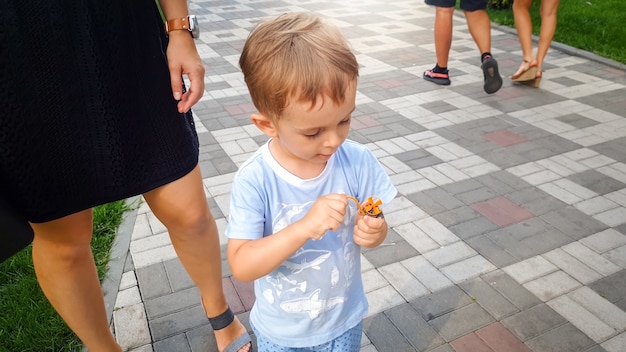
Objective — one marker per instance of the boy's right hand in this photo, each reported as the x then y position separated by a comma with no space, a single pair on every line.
326,214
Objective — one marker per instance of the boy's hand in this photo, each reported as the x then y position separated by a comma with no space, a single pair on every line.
326,214
369,232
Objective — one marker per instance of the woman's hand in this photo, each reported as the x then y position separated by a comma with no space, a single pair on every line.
183,59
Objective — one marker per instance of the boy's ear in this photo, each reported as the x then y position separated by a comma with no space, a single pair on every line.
264,124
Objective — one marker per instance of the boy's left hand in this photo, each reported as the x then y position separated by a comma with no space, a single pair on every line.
369,232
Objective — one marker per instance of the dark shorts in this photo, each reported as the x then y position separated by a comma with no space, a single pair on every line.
466,5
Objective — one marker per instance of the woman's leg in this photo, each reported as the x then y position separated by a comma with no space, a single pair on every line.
182,207
524,27
548,12
67,275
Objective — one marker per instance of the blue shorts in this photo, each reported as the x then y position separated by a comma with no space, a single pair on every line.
466,5
349,341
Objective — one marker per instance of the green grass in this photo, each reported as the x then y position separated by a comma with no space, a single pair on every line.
595,26
27,320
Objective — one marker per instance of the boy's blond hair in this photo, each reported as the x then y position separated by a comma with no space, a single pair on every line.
296,55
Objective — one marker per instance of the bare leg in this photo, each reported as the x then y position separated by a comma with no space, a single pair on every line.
524,26
548,12
479,25
182,207
443,34
67,275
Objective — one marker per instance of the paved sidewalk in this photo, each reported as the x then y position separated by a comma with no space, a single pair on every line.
509,230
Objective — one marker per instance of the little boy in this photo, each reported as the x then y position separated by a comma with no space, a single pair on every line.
293,226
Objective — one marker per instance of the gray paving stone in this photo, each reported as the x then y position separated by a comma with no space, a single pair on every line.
153,281
384,255
533,322
461,321
581,318
177,275
573,223
615,344
202,339
473,227
596,348
131,329
506,159
503,183
441,302
468,269
507,241
460,187
565,338
444,198
426,202
177,323
128,264
475,196
536,201
490,299
426,273
384,334
613,149
529,228
544,242
556,144
446,255
613,288
552,285
175,343
491,251
418,332
456,216
403,281
604,240
173,302
597,182
591,258
600,307
511,290
443,348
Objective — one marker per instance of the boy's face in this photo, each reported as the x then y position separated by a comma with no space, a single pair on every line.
306,137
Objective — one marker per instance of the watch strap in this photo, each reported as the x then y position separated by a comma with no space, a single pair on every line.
177,24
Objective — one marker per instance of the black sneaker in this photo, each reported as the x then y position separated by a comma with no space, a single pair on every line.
437,77
493,81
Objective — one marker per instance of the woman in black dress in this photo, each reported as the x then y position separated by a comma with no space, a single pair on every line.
94,110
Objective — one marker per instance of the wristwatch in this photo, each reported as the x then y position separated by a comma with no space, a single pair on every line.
189,23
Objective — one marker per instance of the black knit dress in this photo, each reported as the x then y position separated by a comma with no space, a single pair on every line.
86,108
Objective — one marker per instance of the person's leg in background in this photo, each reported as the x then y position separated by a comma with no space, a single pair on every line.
182,207
479,25
444,10
67,275
548,11
524,27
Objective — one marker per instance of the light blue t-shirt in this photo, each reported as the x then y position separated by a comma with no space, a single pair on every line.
317,294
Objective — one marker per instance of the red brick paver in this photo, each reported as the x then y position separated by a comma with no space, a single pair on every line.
504,138
502,211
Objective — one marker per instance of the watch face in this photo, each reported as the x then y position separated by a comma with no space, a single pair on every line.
193,26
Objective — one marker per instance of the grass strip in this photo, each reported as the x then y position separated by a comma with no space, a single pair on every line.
28,323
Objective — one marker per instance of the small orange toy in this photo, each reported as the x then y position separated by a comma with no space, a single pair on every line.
370,207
